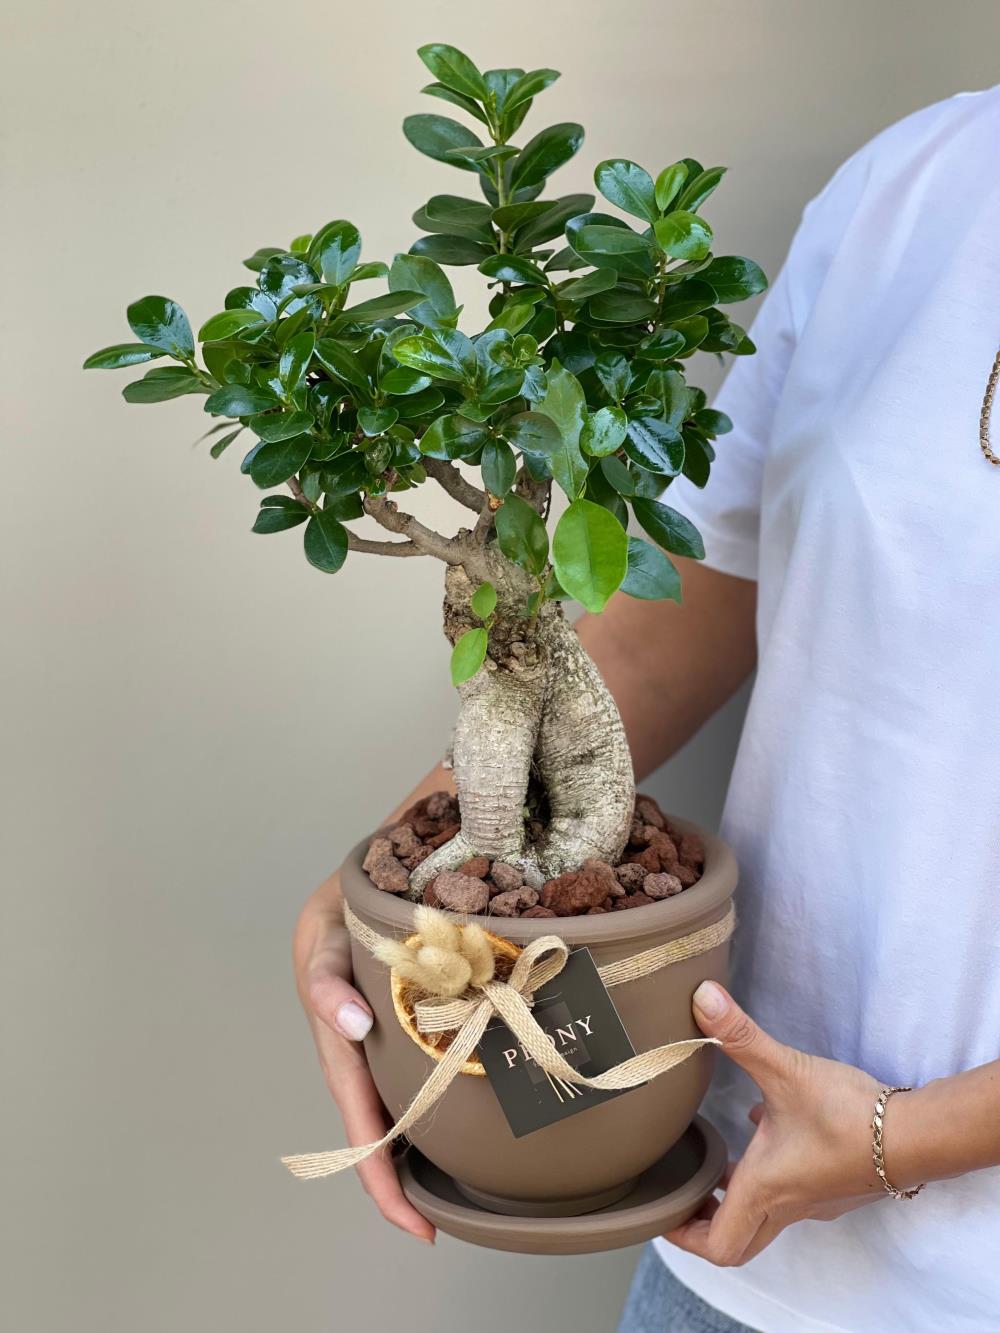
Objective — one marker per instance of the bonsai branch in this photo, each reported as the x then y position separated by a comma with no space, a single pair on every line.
366,547
451,480
388,515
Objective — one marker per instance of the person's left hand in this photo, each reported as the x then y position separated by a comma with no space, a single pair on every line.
810,1156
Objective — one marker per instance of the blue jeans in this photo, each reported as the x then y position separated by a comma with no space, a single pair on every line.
658,1303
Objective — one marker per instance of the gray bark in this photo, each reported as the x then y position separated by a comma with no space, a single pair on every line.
538,707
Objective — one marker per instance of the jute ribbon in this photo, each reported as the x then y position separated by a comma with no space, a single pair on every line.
510,1000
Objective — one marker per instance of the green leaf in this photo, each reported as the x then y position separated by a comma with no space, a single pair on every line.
221,445
683,235
512,216
342,362
484,601
565,404
499,467
418,274
663,345
544,154
278,513
603,432
378,308
400,381
697,191
686,298
614,247
468,655
453,436
589,553
734,278
335,250
444,354
450,249
157,386
228,324
260,257
511,268
651,576
528,86
533,433
622,307
655,445
668,182
617,475
712,422
669,529
273,464
122,354
447,94
295,358
694,330
435,136
521,534
456,215
273,426
551,223
628,186
325,541
615,374
281,275
454,69
376,420
591,284
697,463
672,394
160,322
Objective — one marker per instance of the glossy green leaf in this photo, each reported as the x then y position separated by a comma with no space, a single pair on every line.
521,534
712,422
617,475
591,284
533,433
445,354
589,553
447,94
651,575
655,445
454,69
295,358
511,268
544,154
622,307
400,381
499,467
435,136
325,541
628,186
683,235
272,426
551,223
613,370
420,274
668,183
160,385
160,322
228,324
222,444
342,362
565,404
512,216
528,86
273,464
603,432
239,400
468,655
663,345
335,250
693,329
672,395
697,190
281,275
278,513
377,420
619,248
378,308
686,298
697,463
484,601
669,529
453,436
455,215
122,354
450,249
734,278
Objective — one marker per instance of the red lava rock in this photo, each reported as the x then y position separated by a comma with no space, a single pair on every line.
596,911
460,893
572,893
430,897
404,840
538,911
637,899
505,877
478,867
648,859
635,838
630,876
384,871
686,875
691,850
649,811
424,827
441,805
663,845
421,854
661,886
513,902
446,835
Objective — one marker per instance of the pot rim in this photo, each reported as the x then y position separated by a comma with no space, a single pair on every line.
674,915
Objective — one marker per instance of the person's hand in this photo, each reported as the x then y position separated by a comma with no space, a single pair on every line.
810,1156
339,1018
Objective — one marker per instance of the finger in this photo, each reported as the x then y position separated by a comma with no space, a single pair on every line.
378,1175
723,1238
336,1003
718,1015
756,1113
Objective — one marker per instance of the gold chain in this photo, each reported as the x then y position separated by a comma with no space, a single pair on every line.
877,1128
984,416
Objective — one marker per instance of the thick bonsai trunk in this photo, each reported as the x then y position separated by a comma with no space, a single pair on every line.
537,714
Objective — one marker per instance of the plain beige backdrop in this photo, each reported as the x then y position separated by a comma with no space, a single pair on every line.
196,723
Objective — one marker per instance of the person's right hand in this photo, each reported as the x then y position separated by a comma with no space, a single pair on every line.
339,1018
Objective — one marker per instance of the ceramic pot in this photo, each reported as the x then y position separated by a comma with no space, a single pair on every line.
589,1160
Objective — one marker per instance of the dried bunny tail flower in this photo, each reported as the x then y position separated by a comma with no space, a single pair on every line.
436,928
444,971
477,949
394,953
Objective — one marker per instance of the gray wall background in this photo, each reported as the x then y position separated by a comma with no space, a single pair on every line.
196,724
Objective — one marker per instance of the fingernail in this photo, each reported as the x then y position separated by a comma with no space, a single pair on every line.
353,1022
711,999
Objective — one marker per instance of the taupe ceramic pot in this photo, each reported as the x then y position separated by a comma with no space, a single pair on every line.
591,1159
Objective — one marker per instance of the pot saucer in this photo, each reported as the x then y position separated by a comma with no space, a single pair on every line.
664,1196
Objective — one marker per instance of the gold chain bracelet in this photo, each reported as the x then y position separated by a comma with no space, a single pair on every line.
877,1157
984,416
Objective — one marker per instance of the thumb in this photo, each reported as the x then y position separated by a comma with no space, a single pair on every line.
336,1003
718,1015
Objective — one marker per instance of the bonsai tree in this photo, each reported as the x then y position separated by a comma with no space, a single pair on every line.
578,383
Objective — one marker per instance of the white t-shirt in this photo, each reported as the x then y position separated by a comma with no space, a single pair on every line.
864,805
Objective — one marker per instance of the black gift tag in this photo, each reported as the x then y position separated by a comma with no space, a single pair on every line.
575,1011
